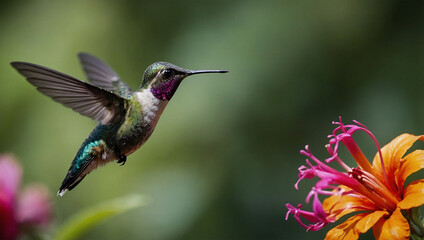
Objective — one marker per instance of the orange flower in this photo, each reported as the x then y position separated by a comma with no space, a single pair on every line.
376,191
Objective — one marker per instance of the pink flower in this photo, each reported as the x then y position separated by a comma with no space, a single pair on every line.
376,192
29,210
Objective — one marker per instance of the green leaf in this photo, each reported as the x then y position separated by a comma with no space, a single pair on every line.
82,221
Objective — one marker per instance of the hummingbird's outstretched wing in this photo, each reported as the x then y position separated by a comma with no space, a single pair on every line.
100,74
84,98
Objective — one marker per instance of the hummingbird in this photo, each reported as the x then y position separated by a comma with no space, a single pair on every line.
126,118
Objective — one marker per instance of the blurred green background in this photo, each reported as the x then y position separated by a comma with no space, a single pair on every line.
223,160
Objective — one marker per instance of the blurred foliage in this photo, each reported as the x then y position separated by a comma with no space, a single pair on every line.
223,160
85,219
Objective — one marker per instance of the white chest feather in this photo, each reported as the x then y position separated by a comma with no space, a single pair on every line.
151,106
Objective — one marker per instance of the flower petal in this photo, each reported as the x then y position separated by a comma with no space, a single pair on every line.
368,221
10,176
392,154
396,227
338,205
8,225
413,195
409,164
34,206
346,230
355,225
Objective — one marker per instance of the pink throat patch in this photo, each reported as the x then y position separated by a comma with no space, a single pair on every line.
166,90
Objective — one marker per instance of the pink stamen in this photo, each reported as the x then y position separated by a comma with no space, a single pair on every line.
336,157
366,130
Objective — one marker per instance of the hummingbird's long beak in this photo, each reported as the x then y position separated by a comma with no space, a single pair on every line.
205,71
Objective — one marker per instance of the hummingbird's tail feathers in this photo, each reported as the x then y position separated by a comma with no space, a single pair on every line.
86,160
75,183
63,189
76,174
72,179
61,192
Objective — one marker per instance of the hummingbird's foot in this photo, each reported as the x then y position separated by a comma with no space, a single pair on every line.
122,160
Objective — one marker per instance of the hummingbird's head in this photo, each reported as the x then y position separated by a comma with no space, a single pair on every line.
164,78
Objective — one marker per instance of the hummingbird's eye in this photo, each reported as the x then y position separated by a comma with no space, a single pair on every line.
167,73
